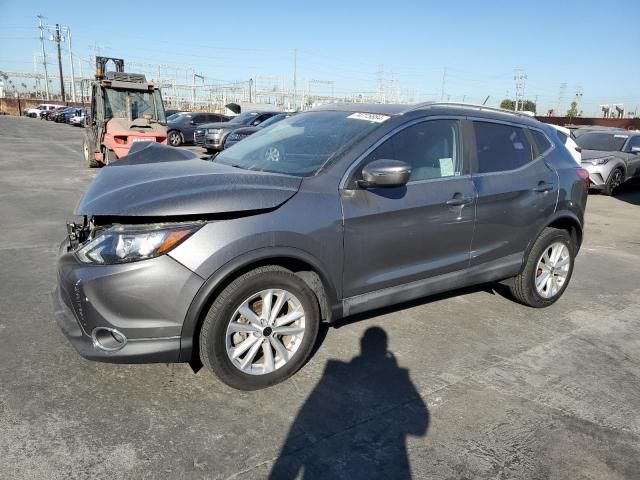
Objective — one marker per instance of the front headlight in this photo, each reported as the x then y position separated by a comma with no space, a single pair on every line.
214,131
600,161
123,244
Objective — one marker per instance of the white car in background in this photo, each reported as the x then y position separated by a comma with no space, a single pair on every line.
565,136
43,107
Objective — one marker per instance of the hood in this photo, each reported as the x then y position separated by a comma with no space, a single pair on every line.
225,125
157,180
247,130
591,154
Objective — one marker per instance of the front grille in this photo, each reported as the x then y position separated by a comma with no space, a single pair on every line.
198,136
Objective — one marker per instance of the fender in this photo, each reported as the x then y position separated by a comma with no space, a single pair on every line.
562,215
214,282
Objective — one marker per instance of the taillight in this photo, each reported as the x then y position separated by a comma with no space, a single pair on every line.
584,174
120,140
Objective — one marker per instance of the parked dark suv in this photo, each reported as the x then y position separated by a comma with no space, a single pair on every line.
212,136
237,261
181,126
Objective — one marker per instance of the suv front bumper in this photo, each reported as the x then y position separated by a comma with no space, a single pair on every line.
145,301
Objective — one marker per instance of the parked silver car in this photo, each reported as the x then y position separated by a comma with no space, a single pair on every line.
611,156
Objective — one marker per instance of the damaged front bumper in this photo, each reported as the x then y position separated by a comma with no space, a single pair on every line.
143,302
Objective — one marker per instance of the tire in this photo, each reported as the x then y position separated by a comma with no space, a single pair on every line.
175,138
524,288
217,340
88,156
109,156
616,178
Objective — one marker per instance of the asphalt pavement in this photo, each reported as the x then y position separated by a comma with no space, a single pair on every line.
464,385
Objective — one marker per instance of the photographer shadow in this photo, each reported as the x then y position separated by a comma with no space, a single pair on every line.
356,421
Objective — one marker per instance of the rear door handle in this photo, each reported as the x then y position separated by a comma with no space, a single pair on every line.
544,187
458,199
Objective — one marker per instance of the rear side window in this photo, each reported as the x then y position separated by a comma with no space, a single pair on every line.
501,147
561,136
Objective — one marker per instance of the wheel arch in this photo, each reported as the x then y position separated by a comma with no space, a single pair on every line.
564,221
297,261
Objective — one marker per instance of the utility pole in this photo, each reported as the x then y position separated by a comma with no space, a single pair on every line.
73,77
57,38
295,79
44,55
563,89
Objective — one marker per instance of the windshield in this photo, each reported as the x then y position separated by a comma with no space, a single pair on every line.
608,142
133,105
299,145
244,118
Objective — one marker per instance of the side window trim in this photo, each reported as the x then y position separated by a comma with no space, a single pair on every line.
475,167
348,179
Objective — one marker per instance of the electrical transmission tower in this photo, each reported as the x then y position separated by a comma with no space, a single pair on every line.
520,78
561,95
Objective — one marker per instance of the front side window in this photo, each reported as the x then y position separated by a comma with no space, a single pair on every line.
299,145
431,148
501,147
633,142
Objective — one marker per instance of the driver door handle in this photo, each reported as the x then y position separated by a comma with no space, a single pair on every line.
459,199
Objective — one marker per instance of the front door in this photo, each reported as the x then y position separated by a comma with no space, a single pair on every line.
394,236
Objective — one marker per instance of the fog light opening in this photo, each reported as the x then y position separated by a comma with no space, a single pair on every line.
108,339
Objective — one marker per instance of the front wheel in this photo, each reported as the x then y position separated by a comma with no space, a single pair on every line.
261,329
613,183
87,152
547,271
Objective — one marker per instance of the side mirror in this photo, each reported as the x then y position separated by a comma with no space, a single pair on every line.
635,149
192,122
385,173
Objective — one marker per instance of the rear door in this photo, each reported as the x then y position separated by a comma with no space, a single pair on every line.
393,236
516,190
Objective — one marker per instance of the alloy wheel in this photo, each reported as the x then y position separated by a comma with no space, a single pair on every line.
175,139
616,179
552,270
265,331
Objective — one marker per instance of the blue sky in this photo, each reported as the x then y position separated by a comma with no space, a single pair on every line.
588,44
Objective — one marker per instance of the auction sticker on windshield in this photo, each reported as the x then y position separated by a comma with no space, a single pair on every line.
370,117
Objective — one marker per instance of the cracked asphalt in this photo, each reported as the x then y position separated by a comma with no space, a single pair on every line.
469,385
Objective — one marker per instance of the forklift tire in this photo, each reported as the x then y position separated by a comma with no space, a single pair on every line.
86,151
109,156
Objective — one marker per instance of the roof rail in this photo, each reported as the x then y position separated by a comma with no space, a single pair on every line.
469,105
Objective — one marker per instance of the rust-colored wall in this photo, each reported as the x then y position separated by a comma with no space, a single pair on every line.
15,106
627,123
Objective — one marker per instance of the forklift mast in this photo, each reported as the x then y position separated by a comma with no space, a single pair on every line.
101,63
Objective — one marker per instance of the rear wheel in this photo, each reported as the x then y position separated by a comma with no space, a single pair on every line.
613,183
175,138
87,152
261,329
547,271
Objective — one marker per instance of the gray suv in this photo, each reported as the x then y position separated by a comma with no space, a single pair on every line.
237,262
611,156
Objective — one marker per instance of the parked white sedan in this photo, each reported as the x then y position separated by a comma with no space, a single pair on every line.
565,136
